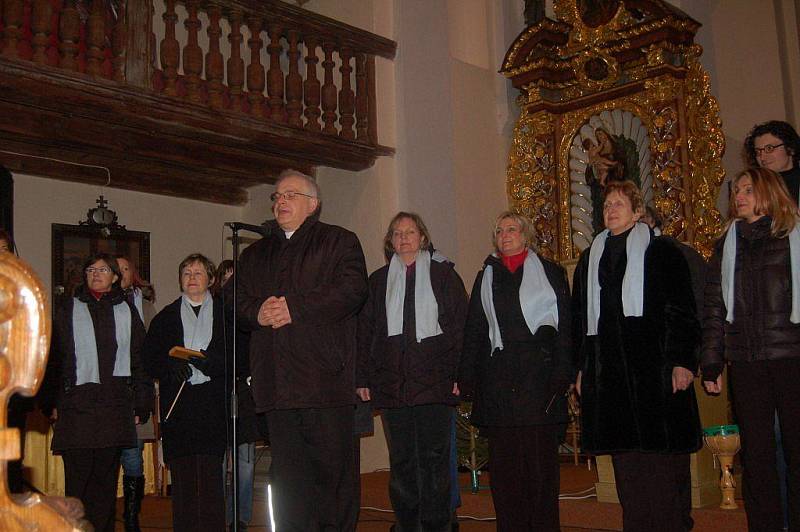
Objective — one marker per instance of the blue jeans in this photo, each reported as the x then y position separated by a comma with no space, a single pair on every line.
247,468
131,460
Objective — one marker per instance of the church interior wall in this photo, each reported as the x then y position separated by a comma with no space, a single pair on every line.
450,116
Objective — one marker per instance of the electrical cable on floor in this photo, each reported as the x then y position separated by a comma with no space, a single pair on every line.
587,493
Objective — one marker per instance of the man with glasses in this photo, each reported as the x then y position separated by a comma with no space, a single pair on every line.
300,288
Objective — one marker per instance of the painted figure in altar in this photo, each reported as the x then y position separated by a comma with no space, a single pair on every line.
611,158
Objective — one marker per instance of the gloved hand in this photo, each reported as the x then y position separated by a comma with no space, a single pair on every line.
179,371
200,363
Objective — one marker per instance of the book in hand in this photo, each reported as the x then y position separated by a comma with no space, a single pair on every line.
184,354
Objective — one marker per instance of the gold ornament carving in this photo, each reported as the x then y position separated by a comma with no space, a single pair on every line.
662,84
531,173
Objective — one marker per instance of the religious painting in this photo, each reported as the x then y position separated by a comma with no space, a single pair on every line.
613,145
73,244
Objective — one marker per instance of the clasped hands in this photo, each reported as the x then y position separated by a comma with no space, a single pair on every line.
274,312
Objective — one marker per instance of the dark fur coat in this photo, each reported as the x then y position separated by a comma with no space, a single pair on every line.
627,400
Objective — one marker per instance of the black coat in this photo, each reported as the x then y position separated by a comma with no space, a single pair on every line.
524,384
627,401
97,415
250,426
398,370
197,424
309,363
761,329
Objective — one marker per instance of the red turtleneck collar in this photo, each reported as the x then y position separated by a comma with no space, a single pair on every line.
513,262
97,295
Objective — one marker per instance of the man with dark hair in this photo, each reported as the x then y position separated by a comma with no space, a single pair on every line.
300,288
776,145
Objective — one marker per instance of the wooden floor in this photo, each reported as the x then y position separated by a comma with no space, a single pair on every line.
476,513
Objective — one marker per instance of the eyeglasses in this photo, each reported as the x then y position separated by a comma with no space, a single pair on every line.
613,205
91,270
769,148
288,196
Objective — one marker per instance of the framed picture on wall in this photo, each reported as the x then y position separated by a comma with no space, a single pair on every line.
73,244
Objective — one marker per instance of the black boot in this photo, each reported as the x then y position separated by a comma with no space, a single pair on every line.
133,489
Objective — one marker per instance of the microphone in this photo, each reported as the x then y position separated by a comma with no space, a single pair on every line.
262,230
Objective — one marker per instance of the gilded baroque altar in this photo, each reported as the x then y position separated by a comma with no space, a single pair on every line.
613,89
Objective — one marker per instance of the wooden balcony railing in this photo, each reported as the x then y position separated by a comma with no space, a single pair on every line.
300,86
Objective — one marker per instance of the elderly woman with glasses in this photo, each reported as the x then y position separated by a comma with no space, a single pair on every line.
635,336
192,396
101,387
410,333
516,365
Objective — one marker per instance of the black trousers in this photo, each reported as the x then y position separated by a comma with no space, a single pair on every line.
759,389
198,499
524,472
312,476
91,476
419,456
655,491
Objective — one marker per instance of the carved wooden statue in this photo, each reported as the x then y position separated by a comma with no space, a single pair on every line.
24,342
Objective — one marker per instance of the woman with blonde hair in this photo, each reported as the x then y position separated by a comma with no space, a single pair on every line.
516,365
752,323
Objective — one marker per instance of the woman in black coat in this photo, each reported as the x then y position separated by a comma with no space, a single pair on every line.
100,385
192,397
752,322
410,334
516,363
635,336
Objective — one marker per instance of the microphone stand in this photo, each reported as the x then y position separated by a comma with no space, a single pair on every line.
234,395
235,228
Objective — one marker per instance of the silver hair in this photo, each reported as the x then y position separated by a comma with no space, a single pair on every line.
310,181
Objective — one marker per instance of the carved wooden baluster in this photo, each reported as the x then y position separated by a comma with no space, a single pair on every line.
53,56
311,86
40,26
255,71
235,61
192,53
95,39
13,18
215,70
346,97
294,83
69,31
170,50
362,98
372,104
275,75
2,29
328,91
120,44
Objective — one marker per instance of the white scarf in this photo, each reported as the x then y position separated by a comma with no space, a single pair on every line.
137,301
729,271
632,283
86,364
426,310
536,297
197,330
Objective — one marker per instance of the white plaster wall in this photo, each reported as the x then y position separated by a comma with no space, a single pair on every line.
752,55
177,227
